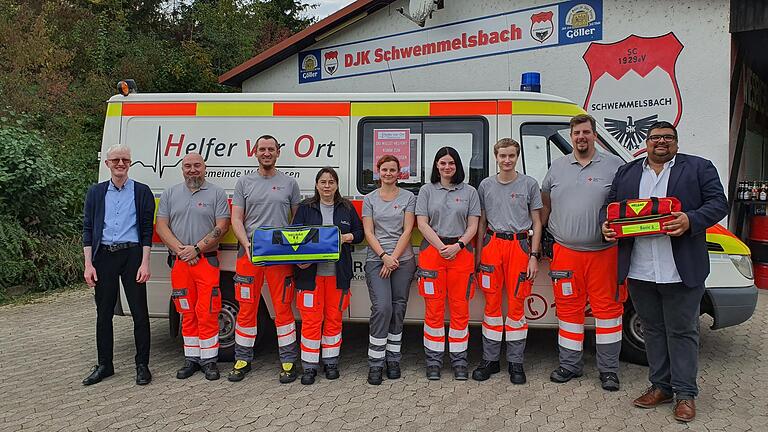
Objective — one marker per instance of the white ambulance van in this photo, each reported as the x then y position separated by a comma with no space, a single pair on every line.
349,132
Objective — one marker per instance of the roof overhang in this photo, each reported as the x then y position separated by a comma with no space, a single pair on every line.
301,40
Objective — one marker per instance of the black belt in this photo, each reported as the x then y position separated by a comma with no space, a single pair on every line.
449,240
204,254
509,236
118,246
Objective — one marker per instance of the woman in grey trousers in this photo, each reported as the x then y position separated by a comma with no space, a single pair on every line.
388,219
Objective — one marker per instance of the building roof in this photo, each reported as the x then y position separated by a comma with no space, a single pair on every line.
301,40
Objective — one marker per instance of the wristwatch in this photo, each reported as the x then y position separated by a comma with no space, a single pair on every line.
382,254
461,244
536,255
197,250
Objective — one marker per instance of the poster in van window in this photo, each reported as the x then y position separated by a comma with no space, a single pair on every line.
395,142
538,27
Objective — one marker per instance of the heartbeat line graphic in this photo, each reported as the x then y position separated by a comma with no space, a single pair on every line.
157,165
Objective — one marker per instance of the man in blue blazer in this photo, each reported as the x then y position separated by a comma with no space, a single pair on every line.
666,273
117,237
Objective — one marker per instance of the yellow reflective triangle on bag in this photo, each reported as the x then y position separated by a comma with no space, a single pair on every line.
637,207
295,238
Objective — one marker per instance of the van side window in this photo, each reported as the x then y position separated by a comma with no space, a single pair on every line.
544,142
414,141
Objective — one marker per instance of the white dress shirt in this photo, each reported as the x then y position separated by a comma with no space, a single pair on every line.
652,258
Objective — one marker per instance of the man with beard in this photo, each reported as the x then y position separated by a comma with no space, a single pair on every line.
583,267
117,239
666,273
264,198
191,218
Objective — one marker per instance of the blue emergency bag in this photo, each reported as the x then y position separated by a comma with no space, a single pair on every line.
295,245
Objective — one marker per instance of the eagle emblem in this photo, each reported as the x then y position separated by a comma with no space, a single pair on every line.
630,133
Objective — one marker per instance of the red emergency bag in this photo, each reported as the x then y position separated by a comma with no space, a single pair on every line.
640,217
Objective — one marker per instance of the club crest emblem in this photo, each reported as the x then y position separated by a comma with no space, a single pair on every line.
331,63
542,26
632,85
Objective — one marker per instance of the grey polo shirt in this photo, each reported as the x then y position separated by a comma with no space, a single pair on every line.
577,194
508,206
267,201
192,215
388,220
448,208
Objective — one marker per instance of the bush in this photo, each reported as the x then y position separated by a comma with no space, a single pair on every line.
39,241
34,188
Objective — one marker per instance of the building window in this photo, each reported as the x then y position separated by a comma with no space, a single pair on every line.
414,141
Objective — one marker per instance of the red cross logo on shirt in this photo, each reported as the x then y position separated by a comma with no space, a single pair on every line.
589,179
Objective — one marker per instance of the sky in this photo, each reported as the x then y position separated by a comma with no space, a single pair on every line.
327,7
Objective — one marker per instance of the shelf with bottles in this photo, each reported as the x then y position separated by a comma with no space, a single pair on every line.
754,191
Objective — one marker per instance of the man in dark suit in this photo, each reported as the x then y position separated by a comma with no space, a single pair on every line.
117,237
666,273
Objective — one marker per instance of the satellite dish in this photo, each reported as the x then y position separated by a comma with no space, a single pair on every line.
420,10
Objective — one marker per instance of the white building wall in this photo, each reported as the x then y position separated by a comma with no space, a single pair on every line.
701,70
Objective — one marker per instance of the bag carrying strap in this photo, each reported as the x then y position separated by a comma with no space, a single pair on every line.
520,278
470,281
344,292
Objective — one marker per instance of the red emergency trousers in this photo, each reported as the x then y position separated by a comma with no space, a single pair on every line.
581,276
197,298
248,282
504,263
321,310
440,278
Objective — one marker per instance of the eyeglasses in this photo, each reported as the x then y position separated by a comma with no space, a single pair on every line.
118,160
659,138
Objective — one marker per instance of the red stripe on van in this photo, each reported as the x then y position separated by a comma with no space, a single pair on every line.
159,109
505,107
462,108
358,205
303,109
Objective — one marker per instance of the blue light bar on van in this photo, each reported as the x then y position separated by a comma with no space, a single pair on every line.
531,82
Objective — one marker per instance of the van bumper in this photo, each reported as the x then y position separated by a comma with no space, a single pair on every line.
731,306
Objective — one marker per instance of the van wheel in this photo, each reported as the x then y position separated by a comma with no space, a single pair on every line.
228,320
633,342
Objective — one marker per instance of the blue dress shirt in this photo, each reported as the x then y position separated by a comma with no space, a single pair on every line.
120,215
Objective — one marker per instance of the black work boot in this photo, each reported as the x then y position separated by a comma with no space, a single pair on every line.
331,371
393,370
433,373
187,370
308,377
516,373
375,375
485,370
563,375
211,371
239,371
